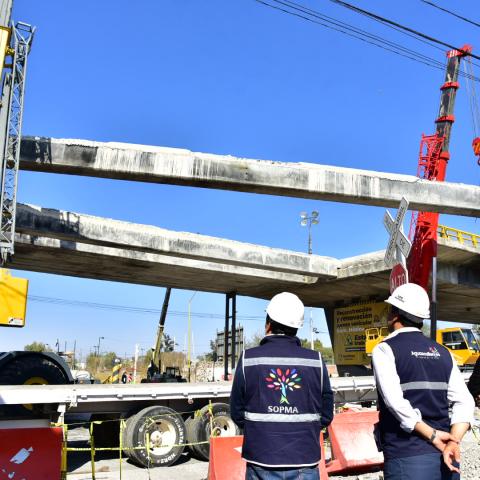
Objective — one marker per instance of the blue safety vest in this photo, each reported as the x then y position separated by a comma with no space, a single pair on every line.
424,368
283,401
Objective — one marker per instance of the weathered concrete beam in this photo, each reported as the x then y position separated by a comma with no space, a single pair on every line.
86,229
304,180
50,255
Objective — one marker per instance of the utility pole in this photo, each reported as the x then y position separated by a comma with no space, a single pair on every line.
189,333
135,364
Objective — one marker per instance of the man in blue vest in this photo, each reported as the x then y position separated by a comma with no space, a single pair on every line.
417,381
281,397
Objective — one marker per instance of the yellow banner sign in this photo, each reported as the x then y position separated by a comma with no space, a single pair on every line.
350,324
13,299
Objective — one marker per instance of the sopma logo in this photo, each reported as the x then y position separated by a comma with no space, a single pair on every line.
283,381
432,353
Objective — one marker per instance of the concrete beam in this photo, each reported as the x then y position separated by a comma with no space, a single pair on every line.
50,255
87,229
304,180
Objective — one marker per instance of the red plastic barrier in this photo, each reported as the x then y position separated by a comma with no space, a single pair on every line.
226,462
30,453
352,442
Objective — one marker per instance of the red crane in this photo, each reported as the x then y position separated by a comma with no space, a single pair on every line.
432,166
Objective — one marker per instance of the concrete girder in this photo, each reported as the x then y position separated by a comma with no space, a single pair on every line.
50,255
87,229
303,180
459,300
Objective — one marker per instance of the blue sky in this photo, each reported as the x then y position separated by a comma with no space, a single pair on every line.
229,78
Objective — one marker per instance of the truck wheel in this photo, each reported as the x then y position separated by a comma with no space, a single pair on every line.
127,438
200,429
162,429
30,370
190,427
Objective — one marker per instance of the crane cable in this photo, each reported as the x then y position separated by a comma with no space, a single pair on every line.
474,110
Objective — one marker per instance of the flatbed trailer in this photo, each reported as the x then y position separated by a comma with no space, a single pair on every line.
122,399
158,417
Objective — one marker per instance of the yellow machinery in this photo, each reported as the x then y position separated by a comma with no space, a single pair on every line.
463,343
13,299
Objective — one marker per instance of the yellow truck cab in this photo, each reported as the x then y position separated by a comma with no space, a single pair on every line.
463,343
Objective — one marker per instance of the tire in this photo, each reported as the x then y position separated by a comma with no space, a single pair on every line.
29,370
200,430
32,370
162,426
190,427
127,438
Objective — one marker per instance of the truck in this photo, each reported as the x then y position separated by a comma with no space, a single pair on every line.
463,343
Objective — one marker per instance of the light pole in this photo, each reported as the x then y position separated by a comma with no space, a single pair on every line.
189,333
307,220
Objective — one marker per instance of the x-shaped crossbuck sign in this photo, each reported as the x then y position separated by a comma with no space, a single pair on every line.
399,245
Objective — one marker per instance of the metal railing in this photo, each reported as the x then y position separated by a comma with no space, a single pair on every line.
465,238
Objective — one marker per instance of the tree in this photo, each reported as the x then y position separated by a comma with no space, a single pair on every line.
208,357
36,347
168,343
327,352
255,339
108,360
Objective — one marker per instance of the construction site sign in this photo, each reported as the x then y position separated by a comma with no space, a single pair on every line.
350,324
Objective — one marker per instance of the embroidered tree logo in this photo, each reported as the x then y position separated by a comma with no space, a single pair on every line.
284,381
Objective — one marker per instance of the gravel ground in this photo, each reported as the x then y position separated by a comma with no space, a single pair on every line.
470,459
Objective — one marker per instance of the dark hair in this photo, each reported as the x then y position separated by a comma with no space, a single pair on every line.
280,329
406,319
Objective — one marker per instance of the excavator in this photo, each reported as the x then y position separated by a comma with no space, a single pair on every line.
154,371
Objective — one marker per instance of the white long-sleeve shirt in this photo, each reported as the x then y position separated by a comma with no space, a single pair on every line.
388,384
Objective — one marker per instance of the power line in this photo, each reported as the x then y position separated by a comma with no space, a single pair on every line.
137,310
398,25
349,30
465,19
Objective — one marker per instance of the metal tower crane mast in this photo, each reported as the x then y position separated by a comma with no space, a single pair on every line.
15,42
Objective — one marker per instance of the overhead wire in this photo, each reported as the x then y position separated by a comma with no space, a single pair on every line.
465,19
349,30
391,23
136,310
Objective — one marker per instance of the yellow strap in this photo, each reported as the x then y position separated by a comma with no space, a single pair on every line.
92,450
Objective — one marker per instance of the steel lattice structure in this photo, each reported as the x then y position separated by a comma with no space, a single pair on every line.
11,114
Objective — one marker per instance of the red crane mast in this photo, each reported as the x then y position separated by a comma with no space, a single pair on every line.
432,166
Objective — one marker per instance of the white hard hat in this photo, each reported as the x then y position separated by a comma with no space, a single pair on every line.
412,299
287,309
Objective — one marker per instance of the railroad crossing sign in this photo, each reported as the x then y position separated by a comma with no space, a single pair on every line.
399,245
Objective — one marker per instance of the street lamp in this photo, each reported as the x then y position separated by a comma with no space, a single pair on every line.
189,333
307,220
